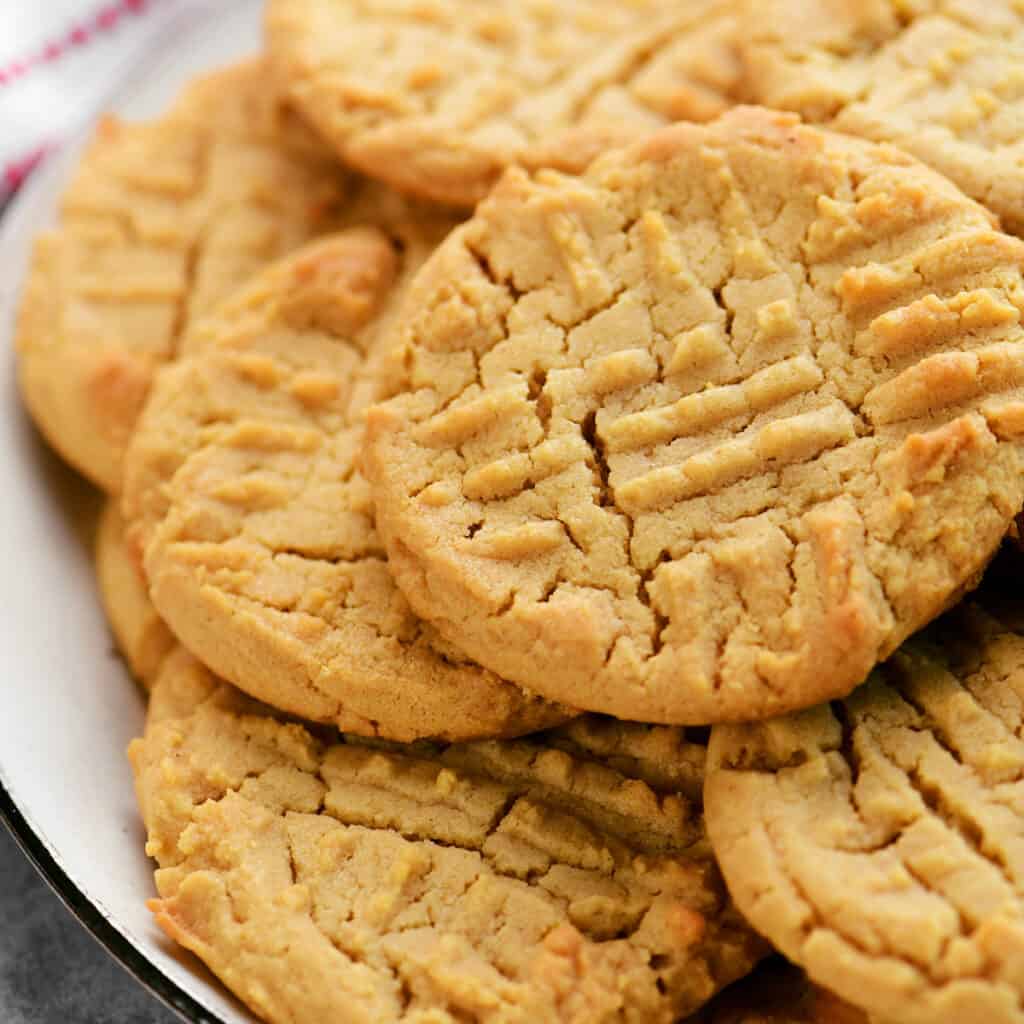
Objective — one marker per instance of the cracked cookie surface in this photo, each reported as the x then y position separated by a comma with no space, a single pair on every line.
438,97
704,434
877,841
564,877
942,79
142,636
161,220
256,527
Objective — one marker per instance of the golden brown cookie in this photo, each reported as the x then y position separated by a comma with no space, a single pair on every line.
160,221
942,79
877,841
438,98
243,492
562,878
704,434
142,636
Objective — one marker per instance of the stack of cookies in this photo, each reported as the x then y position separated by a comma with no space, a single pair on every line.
491,398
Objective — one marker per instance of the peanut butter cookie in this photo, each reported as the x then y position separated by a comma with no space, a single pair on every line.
561,878
160,222
877,841
244,495
706,433
942,79
437,98
142,636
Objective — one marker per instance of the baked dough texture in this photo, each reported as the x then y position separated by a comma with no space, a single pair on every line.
706,433
877,841
160,221
438,97
565,877
142,636
256,527
943,79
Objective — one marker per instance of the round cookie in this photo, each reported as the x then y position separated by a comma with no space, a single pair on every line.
565,877
940,78
704,434
256,525
438,98
877,841
141,635
160,222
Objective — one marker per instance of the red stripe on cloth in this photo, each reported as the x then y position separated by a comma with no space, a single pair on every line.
82,33
14,173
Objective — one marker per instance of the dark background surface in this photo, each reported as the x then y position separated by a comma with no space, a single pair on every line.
52,971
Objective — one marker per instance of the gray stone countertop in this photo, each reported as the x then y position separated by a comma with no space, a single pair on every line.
52,971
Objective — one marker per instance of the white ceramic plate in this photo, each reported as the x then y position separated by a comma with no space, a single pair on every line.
67,706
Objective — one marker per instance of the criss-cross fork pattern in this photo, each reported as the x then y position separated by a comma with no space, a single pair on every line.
711,407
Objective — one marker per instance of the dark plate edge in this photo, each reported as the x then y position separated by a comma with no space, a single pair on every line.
89,916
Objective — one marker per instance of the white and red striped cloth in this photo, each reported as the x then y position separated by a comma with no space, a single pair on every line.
59,59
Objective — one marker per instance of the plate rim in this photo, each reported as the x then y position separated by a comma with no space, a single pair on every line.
116,945
55,166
